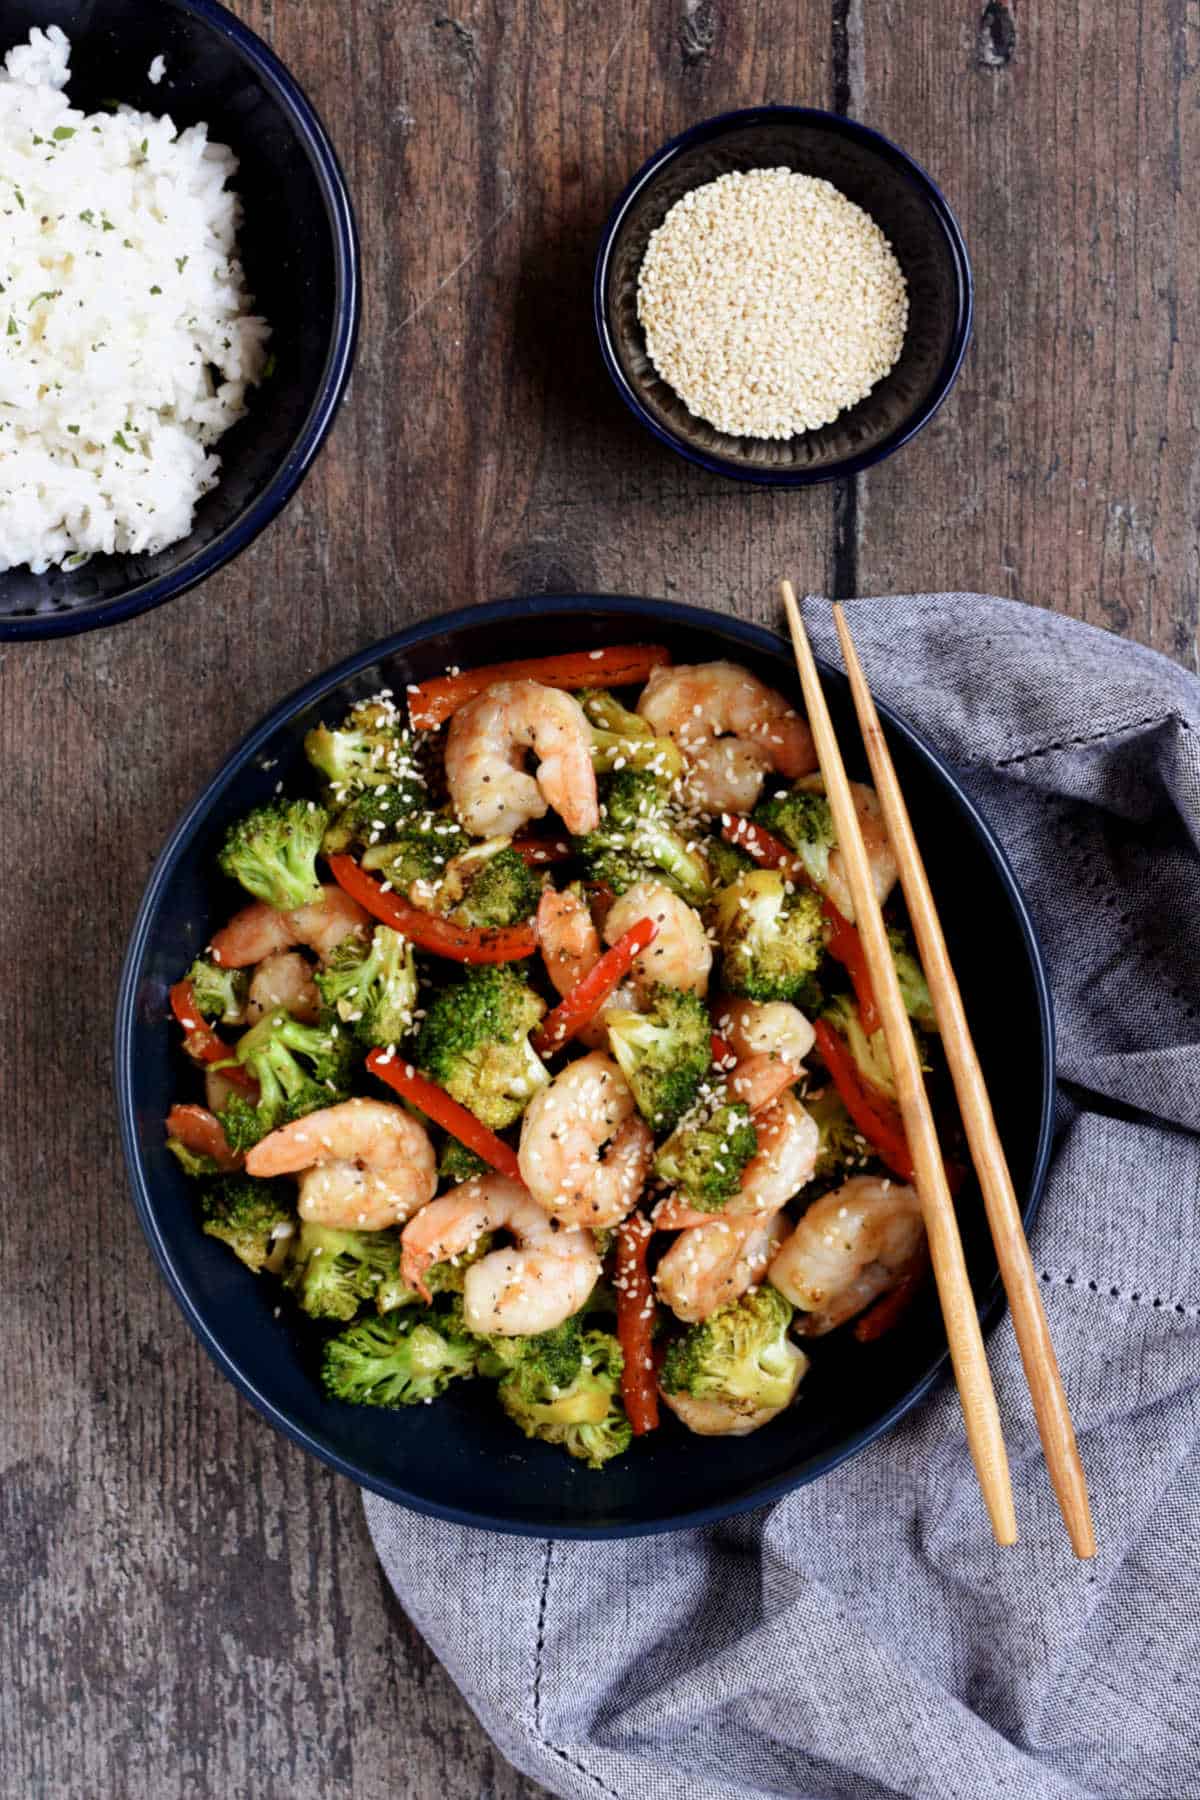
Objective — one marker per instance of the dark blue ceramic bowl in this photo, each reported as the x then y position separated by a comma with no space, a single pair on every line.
461,1458
300,253
903,200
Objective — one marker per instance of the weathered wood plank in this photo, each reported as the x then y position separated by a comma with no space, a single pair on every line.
1064,468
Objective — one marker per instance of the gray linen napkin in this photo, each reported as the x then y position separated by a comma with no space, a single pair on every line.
864,1638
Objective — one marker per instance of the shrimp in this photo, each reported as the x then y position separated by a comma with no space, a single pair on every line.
731,729
515,1291
363,1164
567,937
758,1081
881,858
711,1265
492,794
764,1027
770,1040
562,1155
718,1418
258,931
201,1132
680,954
789,1141
570,946
851,1246
285,980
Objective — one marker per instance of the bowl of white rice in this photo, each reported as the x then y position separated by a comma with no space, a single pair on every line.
783,296
178,302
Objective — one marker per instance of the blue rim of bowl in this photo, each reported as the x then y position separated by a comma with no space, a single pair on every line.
71,622
906,165
755,638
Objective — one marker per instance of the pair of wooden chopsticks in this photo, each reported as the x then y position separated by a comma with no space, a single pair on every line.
1003,1214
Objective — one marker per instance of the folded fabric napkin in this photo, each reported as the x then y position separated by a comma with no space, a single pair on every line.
864,1637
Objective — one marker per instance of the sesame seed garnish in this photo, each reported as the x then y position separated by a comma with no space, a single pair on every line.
771,302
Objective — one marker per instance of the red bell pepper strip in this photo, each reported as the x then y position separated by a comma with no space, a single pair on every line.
438,1105
845,945
429,931
635,1323
873,1113
538,851
202,1041
587,996
768,851
431,703
201,1132
723,1053
890,1308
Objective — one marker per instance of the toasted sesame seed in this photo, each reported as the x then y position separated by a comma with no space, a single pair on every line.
771,302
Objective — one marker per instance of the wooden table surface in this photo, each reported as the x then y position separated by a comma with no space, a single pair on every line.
188,1606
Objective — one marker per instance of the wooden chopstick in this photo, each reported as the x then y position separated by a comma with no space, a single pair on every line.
967,1356
987,1152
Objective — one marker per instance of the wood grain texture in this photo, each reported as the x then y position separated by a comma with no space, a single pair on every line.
1064,468
188,1606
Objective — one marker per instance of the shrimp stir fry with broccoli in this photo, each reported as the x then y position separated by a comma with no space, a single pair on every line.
516,1058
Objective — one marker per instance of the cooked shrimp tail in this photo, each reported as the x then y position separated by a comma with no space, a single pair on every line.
363,1164
519,1290
492,793
851,1246
585,1152
258,931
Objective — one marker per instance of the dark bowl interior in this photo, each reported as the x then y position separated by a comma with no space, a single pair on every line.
461,1457
298,250
903,201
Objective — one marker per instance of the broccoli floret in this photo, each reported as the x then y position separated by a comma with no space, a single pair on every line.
664,1053
457,1163
637,837
706,1154
220,994
419,853
771,940
399,1358
741,1357
371,817
276,1052
253,1217
914,988
621,739
553,1357
474,1041
842,1150
869,1050
372,748
805,823
587,1417
502,891
197,1166
273,852
332,1273
243,1124
372,986
725,861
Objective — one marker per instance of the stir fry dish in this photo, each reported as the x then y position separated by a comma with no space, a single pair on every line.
544,1052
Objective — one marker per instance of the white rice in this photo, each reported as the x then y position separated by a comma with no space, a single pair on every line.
127,338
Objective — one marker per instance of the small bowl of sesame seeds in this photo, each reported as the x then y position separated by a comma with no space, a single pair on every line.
783,296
